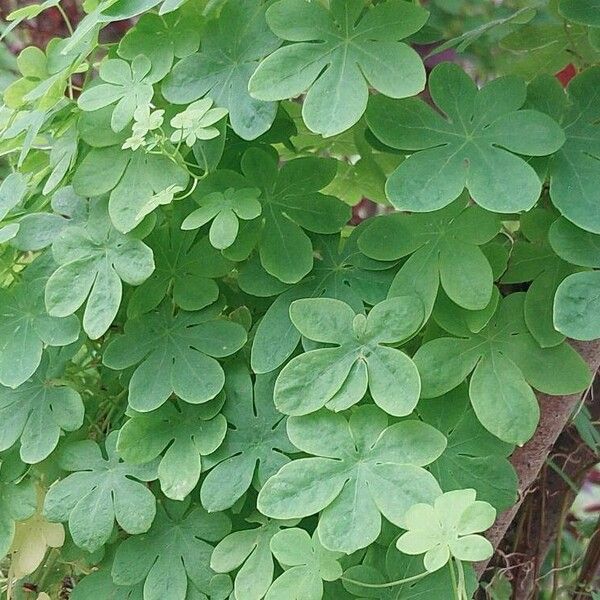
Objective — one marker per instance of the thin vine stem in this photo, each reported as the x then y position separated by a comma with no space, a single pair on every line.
386,585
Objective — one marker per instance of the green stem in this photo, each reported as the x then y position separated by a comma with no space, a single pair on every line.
386,585
461,580
454,582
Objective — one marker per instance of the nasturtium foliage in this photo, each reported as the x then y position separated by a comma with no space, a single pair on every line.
256,444
360,469
338,377
307,564
176,353
275,301
100,490
336,54
443,248
448,529
174,555
249,552
506,364
36,412
184,432
475,144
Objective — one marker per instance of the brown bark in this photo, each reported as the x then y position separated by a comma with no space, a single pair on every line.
556,412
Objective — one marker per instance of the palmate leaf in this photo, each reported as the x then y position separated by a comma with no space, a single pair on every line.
174,556
93,261
474,145
184,433
161,40
125,85
232,47
99,491
185,265
340,271
291,203
137,181
99,584
576,304
37,411
17,498
336,54
307,564
26,327
445,249
337,377
574,187
249,551
532,259
474,457
176,354
256,443
359,470
507,363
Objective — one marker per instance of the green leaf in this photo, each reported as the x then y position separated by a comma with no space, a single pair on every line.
184,433
506,362
126,85
99,491
473,458
577,306
138,182
472,145
12,192
17,498
249,550
291,204
336,55
340,271
444,246
174,555
572,170
338,377
533,259
232,47
307,564
176,354
26,327
255,446
577,246
161,40
37,411
186,266
359,469
586,12
93,260
99,584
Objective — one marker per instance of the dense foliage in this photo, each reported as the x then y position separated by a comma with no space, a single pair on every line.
212,385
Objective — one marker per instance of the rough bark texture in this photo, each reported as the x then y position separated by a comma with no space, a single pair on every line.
529,460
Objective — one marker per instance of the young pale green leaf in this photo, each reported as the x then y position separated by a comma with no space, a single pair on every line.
249,552
176,354
26,327
473,458
255,446
359,469
17,498
574,187
99,491
37,411
506,362
337,54
184,433
443,248
340,271
232,46
338,377
138,182
93,261
474,145
174,556
307,564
